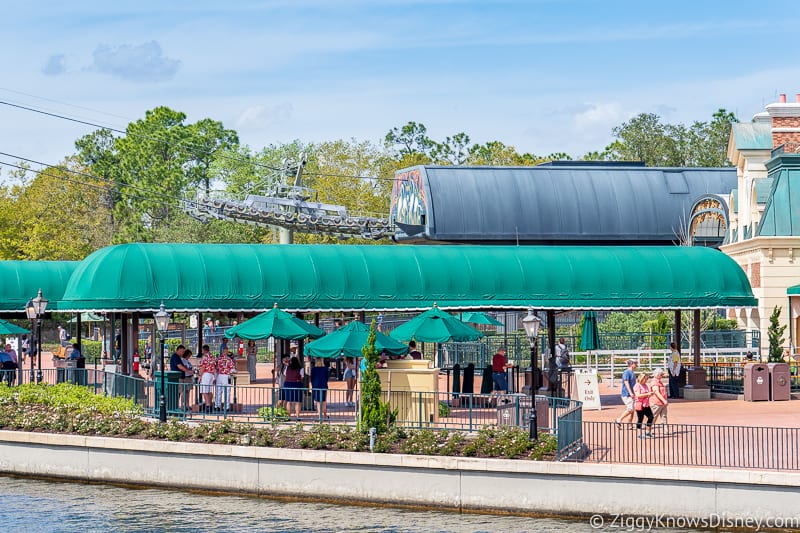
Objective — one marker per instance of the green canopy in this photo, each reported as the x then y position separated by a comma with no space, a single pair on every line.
590,336
793,290
350,339
478,317
434,325
274,323
87,317
7,328
21,280
321,277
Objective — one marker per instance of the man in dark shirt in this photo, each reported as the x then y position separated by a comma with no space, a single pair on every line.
175,362
413,353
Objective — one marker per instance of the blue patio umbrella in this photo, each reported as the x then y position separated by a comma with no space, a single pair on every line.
590,336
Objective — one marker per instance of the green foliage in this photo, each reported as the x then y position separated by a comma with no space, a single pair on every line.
374,413
775,333
444,410
273,414
646,138
510,442
67,395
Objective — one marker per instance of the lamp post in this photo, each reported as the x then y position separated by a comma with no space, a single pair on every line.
531,324
35,310
162,324
31,313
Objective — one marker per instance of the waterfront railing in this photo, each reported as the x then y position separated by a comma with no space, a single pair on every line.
769,448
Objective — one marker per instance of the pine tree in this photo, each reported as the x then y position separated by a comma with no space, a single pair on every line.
775,334
374,412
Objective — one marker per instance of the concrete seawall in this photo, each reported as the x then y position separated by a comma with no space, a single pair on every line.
452,483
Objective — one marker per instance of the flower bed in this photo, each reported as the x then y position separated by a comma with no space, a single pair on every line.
67,408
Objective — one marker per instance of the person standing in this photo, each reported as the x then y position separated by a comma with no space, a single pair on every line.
188,378
674,369
641,405
208,375
562,354
350,379
225,367
319,385
8,362
252,359
62,336
628,397
499,366
293,385
176,365
413,353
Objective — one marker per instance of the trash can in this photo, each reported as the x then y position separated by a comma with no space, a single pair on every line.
780,382
756,382
65,371
172,389
517,412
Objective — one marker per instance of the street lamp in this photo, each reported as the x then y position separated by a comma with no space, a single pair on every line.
531,324
31,313
35,310
162,324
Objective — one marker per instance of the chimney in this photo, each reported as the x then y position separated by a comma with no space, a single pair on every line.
785,123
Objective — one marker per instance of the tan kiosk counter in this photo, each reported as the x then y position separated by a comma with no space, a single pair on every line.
411,387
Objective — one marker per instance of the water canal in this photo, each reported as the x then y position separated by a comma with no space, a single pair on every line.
43,506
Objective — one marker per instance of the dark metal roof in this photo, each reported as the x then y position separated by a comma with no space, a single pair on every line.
557,203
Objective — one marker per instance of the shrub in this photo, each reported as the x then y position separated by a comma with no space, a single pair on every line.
444,410
273,414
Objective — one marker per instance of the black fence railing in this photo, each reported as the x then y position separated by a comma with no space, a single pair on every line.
768,448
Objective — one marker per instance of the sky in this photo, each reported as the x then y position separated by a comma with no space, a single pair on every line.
542,76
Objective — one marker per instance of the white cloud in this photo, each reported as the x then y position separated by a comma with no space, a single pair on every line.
55,65
260,116
139,63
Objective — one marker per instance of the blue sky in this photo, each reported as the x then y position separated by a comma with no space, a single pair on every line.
541,75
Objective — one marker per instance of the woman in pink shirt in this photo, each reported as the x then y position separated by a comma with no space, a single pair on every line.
641,404
659,401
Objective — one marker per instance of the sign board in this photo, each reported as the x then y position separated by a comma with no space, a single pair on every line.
587,389
193,321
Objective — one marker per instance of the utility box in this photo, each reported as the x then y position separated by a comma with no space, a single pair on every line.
780,382
756,382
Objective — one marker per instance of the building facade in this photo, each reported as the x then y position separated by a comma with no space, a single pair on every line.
764,232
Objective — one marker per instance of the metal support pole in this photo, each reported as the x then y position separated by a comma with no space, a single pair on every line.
534,430
33,350
162,401
39,349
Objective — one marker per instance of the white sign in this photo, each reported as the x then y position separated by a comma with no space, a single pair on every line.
586,389
193,321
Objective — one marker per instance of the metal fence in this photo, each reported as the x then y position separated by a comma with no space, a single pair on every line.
769,448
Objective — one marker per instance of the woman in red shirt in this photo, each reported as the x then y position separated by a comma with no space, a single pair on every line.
642,404
293,385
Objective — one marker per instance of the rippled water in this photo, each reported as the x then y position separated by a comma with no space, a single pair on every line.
42,506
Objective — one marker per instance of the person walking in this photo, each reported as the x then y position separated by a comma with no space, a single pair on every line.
641,405
499,366
319,386
628,397
225,367
252,359
208,376
674,369
658,401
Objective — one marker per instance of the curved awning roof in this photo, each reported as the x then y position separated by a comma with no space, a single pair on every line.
793,290
21,280
234,277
